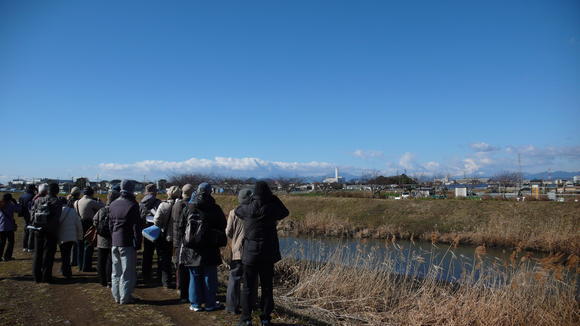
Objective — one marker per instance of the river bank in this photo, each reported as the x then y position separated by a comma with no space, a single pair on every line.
538,226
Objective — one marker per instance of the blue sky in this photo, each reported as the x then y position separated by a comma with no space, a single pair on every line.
133,88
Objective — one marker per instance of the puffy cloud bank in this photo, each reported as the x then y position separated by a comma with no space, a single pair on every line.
246,166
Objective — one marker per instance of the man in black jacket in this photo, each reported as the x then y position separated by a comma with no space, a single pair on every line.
125,227
25,201
148,203
261,249
46,237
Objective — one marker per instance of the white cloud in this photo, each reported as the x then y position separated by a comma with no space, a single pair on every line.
366,154
246,166
431,166
483,147
407,161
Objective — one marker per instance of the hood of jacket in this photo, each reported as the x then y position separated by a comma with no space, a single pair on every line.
149,201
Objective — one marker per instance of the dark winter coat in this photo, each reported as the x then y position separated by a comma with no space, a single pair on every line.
25,201
124,222
260,218
55,205
102,242
213,215
178,220
149,202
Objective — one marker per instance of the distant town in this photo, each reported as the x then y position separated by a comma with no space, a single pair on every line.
507,185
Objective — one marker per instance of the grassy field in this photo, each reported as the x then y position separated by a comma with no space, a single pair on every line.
535,225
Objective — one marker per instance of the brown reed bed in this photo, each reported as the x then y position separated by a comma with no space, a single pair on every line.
354,290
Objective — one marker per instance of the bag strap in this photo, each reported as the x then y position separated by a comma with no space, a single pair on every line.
77,208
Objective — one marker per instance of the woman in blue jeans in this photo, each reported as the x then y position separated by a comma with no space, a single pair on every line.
202,262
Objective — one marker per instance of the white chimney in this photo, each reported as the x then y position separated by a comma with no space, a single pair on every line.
336,173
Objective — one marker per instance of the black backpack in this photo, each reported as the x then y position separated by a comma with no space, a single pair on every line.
195,230
103,225
42,214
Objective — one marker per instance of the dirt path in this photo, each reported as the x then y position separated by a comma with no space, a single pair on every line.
83,301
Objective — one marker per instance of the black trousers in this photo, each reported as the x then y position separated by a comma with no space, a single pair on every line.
181,277
45,248
85,259
164,254
104,265
6,240
266,273
65,253
147,262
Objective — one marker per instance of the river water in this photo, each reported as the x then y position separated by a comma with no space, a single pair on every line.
417,258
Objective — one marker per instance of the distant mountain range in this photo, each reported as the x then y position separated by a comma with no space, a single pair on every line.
554,175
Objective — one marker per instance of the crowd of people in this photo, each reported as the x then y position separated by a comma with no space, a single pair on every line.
191,228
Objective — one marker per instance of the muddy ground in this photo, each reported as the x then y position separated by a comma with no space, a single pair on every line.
83,301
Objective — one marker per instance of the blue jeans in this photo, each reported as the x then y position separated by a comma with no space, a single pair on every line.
203,285
124,276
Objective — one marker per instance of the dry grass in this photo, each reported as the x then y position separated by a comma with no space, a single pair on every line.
545,226
373,294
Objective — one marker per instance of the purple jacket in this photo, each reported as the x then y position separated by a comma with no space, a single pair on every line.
7,222
124,222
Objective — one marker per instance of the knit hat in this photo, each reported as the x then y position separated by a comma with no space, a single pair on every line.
128,186
89,191
43,188
204,188
75,191
173,192
53,188
151,188
187,191
245,196
116,187
112,196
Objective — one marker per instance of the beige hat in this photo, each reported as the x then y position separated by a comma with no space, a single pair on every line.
75,191
173,192
186,191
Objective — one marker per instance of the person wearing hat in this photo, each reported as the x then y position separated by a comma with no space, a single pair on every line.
87,207
203,261
261,250
104,262
147,206
25,201
75,194
125,227
70,231
235,232
164,243
179,216
46,238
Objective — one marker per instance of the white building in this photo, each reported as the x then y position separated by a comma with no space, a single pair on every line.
336,179
577,179
460,192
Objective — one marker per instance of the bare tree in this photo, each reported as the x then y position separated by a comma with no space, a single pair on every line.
288,184
506,179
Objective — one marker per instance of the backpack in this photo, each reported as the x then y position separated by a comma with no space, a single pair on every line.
103,225
194,230
41,214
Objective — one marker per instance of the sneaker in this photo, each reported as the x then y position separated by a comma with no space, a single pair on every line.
195,308
217,306
245,323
